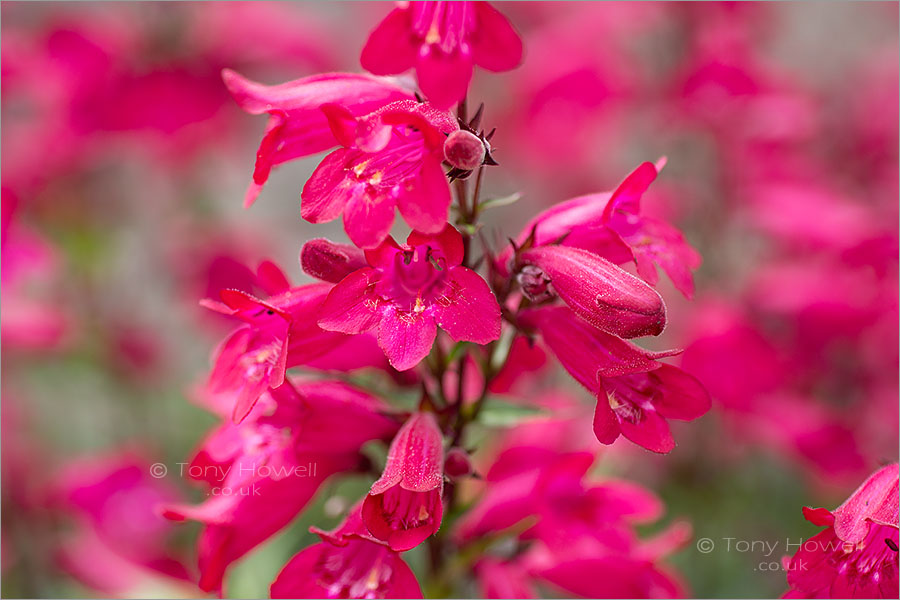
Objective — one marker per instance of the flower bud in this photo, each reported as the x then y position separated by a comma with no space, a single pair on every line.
328,261
457,463
535,284
464,150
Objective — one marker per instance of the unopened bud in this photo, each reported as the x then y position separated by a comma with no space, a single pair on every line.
328,261
457,463
535,284
464,150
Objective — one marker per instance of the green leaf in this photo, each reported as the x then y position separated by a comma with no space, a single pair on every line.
502,201
499,413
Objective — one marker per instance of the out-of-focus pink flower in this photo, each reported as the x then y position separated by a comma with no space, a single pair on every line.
595,289
347,563
266,469
576,528
391,158
443,41
612,226
635,392
856,556
297,127
405,506
406,292
503,579
29,268
278,334
122,540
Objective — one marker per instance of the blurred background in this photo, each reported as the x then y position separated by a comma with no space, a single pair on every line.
124,167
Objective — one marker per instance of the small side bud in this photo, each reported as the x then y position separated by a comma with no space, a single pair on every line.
328,261
464,150
457,463
535,284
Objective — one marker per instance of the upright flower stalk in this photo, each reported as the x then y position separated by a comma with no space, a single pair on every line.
443,316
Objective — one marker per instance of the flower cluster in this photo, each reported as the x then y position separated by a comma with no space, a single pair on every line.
422,314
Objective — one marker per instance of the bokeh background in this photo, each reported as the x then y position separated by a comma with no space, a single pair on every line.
124,163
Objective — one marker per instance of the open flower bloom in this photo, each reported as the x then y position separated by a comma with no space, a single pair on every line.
443,41
404,506
635,392
612,226
594,288
347,563
297,127
390,159
407,291
277,334
266,469
856,556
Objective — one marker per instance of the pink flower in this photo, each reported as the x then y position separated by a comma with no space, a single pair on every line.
442,40
122,541
612,226
594,288
635,392
391,158
297,127
406,292
266,469
856,556
404,506
278,334
347,563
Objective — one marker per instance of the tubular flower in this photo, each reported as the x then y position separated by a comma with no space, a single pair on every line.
266,469
856,556
404,506
407,291
612,226
390,158
297,127
277,335
347,563
635,392
443,41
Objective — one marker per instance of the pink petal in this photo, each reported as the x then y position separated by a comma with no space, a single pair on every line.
406,338
328,189
652,432
682,395
443,78
468,310
349,307
875,500
606,425
424,201
496,46
368,218
448,241
627,197
390,48
271,278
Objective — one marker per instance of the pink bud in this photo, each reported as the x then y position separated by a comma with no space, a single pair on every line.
600,292
328,261
404,506
457,463
464,150
535,284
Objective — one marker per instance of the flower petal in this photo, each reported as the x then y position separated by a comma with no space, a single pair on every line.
495,45
467,309
390,48
328,190
443,78
368,218
406,338
349,307
424,201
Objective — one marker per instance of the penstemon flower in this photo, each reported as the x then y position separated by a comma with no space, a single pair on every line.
455,319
